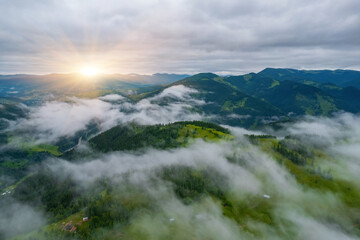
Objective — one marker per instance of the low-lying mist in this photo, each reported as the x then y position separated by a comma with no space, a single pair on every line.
250,177
58,119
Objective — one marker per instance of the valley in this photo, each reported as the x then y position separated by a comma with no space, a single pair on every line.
257,156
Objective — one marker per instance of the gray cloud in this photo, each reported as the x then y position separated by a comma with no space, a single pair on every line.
179,36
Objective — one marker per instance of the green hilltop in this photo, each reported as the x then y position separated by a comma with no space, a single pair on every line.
160,136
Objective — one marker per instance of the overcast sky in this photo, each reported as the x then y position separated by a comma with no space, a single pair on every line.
179,36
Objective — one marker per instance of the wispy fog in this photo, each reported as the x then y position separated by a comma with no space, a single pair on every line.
56,119
17,218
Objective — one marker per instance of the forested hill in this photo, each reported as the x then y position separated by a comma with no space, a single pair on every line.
273,92
133,136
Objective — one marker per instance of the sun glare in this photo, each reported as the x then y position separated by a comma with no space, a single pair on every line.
89,71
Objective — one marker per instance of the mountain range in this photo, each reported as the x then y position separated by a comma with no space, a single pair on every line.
252,99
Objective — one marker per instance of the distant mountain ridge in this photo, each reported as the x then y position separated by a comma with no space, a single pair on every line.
273,92
343,78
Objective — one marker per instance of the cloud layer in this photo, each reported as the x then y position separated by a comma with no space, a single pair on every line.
178,36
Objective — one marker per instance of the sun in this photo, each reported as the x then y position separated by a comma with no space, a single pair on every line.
90,71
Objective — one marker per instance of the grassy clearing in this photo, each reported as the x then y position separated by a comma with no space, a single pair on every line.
229,106
274,84
12,187
54,150
14,165
26,145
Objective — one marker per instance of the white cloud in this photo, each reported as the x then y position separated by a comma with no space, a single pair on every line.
57,119
111,97
179,92
60,119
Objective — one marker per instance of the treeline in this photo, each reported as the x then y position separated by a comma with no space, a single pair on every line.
297,153
205,125
295,144
254,139
134,137
322,173
291,155
190,184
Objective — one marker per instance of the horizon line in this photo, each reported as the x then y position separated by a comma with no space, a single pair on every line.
223,73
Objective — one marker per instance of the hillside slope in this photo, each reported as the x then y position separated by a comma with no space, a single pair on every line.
222,98
290,96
